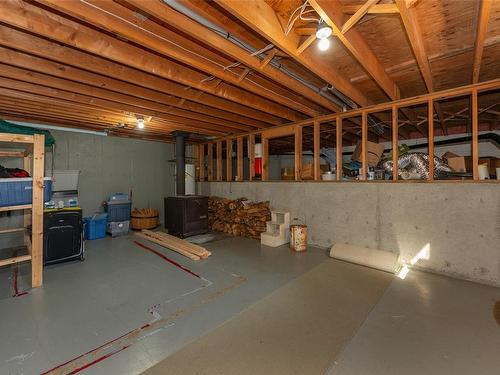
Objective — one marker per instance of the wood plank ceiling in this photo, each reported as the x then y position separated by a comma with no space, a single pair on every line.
101,64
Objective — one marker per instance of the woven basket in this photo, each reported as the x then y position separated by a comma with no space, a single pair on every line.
144,222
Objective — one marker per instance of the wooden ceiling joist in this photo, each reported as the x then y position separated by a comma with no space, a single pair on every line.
94,85
482,26
168,15
63,30
210,104
331,12
259,16
265,97
363,9
40,89
374,9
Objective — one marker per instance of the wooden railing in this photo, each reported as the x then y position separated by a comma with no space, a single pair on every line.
295,129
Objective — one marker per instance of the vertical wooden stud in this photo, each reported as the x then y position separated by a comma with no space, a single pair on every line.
364,139
430,137
37,211
229,159
265,158
210,161
202,162
239,158
27,160
219,160
395,139
251,156
475,128
338,132
298,153
317,170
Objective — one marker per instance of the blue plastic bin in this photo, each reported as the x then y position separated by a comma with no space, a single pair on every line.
95,226
118,210
18,191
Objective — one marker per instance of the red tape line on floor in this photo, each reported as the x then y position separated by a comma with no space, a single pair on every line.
167,259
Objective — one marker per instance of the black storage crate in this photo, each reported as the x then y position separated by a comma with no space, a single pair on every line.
186,215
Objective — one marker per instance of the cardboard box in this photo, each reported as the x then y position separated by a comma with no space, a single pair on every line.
308,171
374,152
457,163
464,163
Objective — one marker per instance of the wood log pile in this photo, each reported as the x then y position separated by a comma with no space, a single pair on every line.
238,217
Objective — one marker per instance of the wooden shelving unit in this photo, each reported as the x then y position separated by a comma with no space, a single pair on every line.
33,162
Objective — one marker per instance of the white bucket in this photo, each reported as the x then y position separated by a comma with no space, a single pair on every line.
483,171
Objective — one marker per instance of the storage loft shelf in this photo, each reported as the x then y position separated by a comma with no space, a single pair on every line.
14,208
33,163
19,259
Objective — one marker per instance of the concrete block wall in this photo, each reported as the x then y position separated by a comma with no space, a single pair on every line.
459,223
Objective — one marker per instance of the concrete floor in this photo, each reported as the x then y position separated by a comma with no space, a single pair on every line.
121,287
423,324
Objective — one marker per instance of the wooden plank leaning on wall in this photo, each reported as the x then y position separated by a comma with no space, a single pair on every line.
289,129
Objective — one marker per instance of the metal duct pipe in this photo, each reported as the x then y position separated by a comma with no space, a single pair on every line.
417,164
180,163
203,21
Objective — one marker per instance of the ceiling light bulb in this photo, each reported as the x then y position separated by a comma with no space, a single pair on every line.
323,44
140,123
323,31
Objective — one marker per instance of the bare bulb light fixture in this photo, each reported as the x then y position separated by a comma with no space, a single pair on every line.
323,32
323,44
140,122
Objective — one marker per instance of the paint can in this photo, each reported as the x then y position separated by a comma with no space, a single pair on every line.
298,237
483,171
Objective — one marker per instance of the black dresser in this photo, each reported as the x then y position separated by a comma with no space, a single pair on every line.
63,235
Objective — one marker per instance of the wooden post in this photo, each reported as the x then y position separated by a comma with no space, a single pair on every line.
475,125
298,153
239,158
37,211
265,158
210,161
395,139
251,156
317,170
229,159
201,161
338,134
430,137
219,160
27,160
364,138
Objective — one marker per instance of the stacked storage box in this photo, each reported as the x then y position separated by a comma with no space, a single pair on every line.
118,209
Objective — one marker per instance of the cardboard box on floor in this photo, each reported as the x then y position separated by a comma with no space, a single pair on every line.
464,163
308,170
374,152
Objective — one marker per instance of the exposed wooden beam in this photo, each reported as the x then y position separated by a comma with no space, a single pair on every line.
260,16
410,3
414,35
52,26
374,9
331,12
150,35
358,15
196,30
482,26
216,106
306,43
412,28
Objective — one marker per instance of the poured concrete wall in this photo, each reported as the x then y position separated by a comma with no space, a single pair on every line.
107,165
459,223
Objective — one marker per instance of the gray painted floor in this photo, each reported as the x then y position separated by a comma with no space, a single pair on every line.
427,324
84,305
424,324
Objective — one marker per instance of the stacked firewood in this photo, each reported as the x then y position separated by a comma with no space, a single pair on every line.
238,217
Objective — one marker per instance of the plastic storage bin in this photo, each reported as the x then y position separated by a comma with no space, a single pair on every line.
95,226
118,228
17,191
118,210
